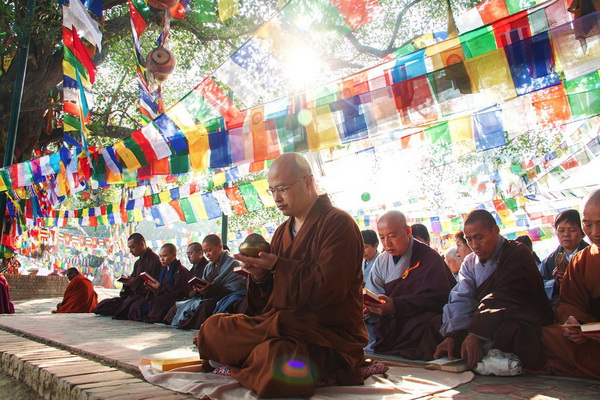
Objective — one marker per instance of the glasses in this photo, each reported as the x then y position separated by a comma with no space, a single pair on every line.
282,189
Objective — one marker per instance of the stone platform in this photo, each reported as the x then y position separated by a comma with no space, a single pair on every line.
84,356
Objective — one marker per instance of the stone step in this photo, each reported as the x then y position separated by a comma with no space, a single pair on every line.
57,374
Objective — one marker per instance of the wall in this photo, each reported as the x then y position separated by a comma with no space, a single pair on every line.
23,287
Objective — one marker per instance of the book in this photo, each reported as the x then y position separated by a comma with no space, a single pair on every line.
589,327
172,363
446,364
148,278
124,278
369,296
195,281
239,269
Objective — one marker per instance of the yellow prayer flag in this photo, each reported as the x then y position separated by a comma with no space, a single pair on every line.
490,75
461,132
184,120
198,206
219,178
227,9
322,131
261,187
199,149
164,196
127,156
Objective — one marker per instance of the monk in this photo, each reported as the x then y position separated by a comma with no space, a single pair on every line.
133,286
221,280
79,296
499,300
6,306
306,295
568,350
170,285
413,283
107,280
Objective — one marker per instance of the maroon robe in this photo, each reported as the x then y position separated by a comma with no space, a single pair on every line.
418,299
309,325
119,306
173,287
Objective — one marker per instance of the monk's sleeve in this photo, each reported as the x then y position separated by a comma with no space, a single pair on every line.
574,299
327,279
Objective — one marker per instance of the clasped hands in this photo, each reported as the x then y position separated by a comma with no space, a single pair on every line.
471,349
258,266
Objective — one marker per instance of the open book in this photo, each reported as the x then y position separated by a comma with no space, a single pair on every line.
238,269
171,363
446,364
589,327
195,281
148,278
369,296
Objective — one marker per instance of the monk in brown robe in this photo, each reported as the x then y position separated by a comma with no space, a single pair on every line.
79,296
133,287
499,300
170,286
568,350
306,295
413,283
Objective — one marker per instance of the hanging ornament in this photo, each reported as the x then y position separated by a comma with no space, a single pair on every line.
160,62
162,4
366,196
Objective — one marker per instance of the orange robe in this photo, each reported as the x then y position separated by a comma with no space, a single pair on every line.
79,296
309,325
579,297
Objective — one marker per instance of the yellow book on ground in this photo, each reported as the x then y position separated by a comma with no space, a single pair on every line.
171,363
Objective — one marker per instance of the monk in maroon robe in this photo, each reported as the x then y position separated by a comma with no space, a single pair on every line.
413,283
306,294
79,296
133,287
570,351
170,286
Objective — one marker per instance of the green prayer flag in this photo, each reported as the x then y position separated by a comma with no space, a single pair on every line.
188,211
251,197
478,42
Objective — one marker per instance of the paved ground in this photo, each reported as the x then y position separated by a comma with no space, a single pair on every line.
123,343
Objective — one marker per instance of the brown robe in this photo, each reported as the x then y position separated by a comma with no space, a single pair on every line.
418,299
579,297
119,306
173,287
79,297
309,325
513,306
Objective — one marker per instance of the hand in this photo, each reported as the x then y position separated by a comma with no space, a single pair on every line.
574,334
386,307
129,281
558,275
151,285
472,350
445,348
264,261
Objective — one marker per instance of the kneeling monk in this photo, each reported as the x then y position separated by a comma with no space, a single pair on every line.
306,296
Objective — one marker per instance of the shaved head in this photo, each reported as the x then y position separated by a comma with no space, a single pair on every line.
292,165
395,218
591,217
292,184
394,233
